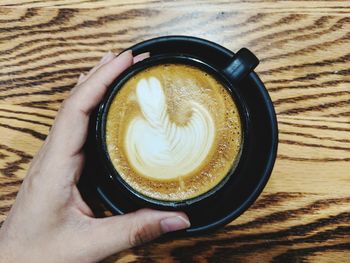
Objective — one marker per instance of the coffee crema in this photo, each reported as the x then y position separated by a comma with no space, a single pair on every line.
173,132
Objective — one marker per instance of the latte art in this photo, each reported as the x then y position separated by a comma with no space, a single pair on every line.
159,148
173,132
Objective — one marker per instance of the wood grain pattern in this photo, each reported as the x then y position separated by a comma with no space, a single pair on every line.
304,213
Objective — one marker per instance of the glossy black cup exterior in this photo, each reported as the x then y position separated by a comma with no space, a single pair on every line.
235,71
243,185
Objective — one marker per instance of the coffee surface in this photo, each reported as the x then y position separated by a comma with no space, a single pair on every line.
173,132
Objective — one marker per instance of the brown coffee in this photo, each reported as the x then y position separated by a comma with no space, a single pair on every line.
173,132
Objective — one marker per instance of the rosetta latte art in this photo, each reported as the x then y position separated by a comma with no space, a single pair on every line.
173,132
159,148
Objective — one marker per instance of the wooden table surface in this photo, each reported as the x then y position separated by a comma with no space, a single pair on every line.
303,214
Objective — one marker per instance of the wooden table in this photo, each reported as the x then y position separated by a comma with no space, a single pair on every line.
303,214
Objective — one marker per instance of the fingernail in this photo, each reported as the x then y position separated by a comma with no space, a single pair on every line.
126,53
141,57
174,223
106,57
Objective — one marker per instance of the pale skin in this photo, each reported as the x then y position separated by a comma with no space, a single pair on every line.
49,221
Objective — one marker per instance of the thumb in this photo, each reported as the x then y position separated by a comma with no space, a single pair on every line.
117,233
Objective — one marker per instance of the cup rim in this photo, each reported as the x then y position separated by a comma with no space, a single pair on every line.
118,84
217,55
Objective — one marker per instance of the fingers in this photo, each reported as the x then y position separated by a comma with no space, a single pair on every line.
141,57
91,91
104,60
108,57
121,232
69,131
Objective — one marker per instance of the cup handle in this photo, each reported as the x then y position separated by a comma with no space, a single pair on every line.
242,63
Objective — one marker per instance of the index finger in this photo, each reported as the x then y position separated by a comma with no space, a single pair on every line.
69,131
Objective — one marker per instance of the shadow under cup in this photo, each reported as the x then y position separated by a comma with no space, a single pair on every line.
251,169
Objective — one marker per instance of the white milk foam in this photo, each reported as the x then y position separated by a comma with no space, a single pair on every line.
157,147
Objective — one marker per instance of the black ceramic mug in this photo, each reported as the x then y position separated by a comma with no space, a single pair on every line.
242,185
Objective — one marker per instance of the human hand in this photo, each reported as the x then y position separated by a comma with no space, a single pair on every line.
49,221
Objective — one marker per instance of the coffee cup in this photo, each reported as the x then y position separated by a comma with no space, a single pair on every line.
179,130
